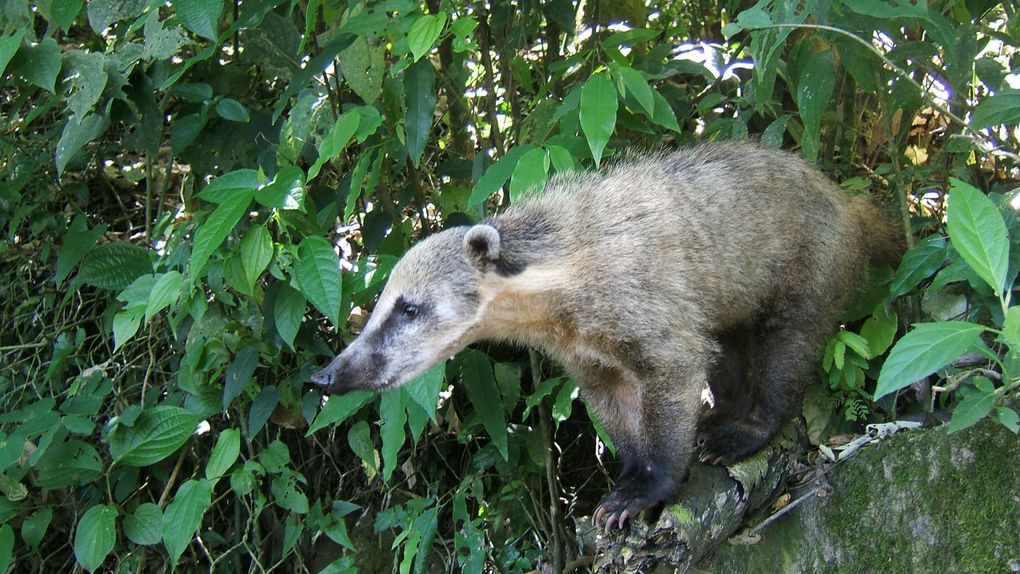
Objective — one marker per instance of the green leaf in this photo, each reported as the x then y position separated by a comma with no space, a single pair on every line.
95,536
114,265
978,233
364,67
86,78
275,457
338,408
161,43
317,272
287,190
420,98
39,64
216,227
424,389
125,325
33,530
476,376
262,408
232,110
1011,327
926,349
183,516
564,403
974,406
999,109
145,525
200,16
530,174
78,132
314,67
335,141
103,13
357,179
288,495
880,329
814,88
637,86
1008,418
239,374
393,413
920,262
497,174
77,241
424,32
288,311
598,113
224,454
856,342
184,130
6,546
256,252
359,438
165,292
158,432
754,18
227,186
8,48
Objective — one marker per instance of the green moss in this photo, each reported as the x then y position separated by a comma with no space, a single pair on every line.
920,502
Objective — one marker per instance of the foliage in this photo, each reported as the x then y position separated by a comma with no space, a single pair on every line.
200,200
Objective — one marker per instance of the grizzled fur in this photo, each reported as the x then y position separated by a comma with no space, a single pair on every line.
721,264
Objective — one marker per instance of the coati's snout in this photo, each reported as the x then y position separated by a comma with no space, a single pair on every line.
426,313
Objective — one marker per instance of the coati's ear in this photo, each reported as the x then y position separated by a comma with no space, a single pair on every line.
481,243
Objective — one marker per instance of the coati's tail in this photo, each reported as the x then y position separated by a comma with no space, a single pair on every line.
883,238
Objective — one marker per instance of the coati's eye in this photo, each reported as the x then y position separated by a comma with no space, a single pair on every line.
410,311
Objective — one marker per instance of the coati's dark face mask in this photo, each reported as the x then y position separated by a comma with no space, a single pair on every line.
428,311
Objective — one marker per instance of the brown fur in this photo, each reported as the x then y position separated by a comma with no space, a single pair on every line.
722,264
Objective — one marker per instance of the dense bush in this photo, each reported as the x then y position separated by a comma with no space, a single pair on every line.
182,182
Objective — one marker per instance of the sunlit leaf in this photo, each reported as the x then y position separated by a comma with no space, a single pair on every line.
476,376
497,174
424,32
924,350
598,113
224,454
338,408
392,411
974,406
200,16
814,88
420,98
288,311
317,272
216,227
978,233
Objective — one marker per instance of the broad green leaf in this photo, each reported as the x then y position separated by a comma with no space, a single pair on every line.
103,13
95,536
288,311
256,251
1002,108
33,529
39,64
476,376
920,262
497,174
636,85
77,241
184,130
564,403
239,374
338,408
72,463
664,114
125,325
364,67
317,272
216,227
227,186
262,408
161,43
288,495
335,141
1008,418
359,438
856,342
200,16
232,110
8,48
165,292
1011,327
530,174
158,432
393,413
754,18
224,454
889,9
78,132
183,516
814,88
85,78
145,525
286,191
365,161
924,350
598,113
424,389
978,233
314,67
420,99
561,159
880,329
974,406
114,265
275,457
6,546
424,32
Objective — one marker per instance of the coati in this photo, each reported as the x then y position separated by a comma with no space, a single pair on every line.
720,264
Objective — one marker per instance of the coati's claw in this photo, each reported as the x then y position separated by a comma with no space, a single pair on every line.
727,444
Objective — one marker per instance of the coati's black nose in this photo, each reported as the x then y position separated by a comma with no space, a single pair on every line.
323,378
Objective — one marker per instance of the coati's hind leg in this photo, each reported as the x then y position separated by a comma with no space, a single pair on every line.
729,380
651,419
785,348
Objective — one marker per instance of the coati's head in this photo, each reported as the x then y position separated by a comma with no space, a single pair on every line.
427,312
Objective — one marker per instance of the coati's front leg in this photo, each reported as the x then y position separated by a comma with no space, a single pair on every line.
651,420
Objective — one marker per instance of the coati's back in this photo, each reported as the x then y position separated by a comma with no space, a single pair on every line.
716,228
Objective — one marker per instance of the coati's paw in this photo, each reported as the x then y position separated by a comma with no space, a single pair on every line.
729,443
619,507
